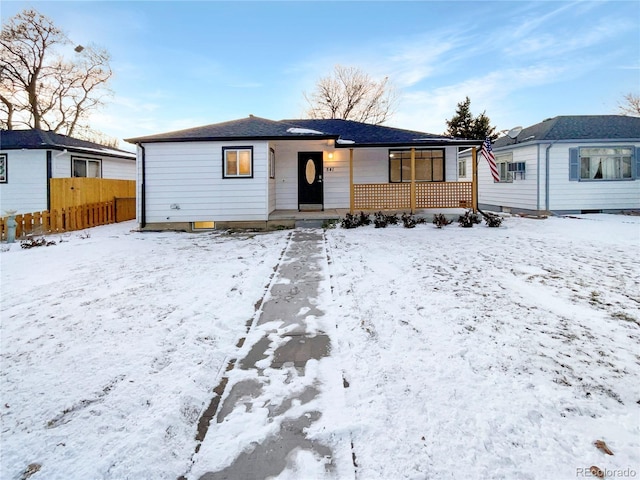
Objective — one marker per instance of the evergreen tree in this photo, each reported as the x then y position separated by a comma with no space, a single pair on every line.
464,125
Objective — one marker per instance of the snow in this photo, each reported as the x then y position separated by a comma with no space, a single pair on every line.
344,141
306,131
469,353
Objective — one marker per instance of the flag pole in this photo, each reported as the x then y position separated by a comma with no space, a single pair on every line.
474,197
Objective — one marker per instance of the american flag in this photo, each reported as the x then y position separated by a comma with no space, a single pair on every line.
488,154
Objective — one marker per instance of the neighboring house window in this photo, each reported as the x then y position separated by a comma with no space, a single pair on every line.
85,167
503,162
3,168
517,170
429,165
237,162
605,163
272,163
462,168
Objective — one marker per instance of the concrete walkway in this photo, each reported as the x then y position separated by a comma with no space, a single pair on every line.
269,402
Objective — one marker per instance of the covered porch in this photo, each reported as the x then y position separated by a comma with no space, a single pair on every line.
412,196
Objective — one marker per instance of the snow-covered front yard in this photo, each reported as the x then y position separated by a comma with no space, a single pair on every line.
468,353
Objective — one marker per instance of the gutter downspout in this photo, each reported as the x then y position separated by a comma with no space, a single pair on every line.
49,176
546,176
538,178
143,203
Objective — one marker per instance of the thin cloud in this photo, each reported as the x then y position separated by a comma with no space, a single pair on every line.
427,110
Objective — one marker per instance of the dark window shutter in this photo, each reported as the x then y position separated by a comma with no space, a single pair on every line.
637,162
574,165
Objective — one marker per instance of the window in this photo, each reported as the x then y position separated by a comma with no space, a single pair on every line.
605,163
429,165
3,168
517,170
237,162
85,167
462,168
503,162
272,163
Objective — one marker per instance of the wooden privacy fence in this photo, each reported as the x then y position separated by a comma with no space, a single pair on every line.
73,192
397,196
72,218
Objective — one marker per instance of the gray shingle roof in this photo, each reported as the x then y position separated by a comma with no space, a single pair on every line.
577,127
41,139
250,127
345,132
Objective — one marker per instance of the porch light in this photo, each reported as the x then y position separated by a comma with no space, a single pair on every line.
330,156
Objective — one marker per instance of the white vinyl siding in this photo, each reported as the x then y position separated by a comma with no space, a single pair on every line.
111,167
566,195
26,189
116,168
518,194
184,183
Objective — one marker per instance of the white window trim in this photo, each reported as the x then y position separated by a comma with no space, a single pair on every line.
462,168
502,162
620,156
86,160
272,163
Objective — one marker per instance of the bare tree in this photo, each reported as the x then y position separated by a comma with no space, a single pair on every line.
631,105
351,94
39,88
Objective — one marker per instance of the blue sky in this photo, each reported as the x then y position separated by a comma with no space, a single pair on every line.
185,64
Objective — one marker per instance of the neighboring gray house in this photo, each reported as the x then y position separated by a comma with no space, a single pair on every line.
242,171
29,158
565,164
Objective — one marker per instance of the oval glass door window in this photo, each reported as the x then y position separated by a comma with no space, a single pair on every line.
310,171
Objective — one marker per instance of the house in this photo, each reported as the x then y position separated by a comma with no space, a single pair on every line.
247,171
30,158
565,164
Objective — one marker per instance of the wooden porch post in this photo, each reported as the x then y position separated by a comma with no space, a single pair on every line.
474,180
413,180
351,196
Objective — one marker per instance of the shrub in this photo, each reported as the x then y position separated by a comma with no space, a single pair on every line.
364,219
392,219
469,219
408,220
36,242
492,219
439,220
350,221
380,220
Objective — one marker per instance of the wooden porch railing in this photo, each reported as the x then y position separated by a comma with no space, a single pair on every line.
397,196
444,195
381,196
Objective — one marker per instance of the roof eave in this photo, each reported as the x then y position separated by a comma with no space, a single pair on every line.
430,143
229,139
566,140
124,155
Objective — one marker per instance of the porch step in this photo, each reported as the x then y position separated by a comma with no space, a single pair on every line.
310,223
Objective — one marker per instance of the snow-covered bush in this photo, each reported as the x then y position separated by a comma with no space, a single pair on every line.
469,219
439,220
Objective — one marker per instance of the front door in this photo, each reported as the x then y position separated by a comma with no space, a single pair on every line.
310,192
